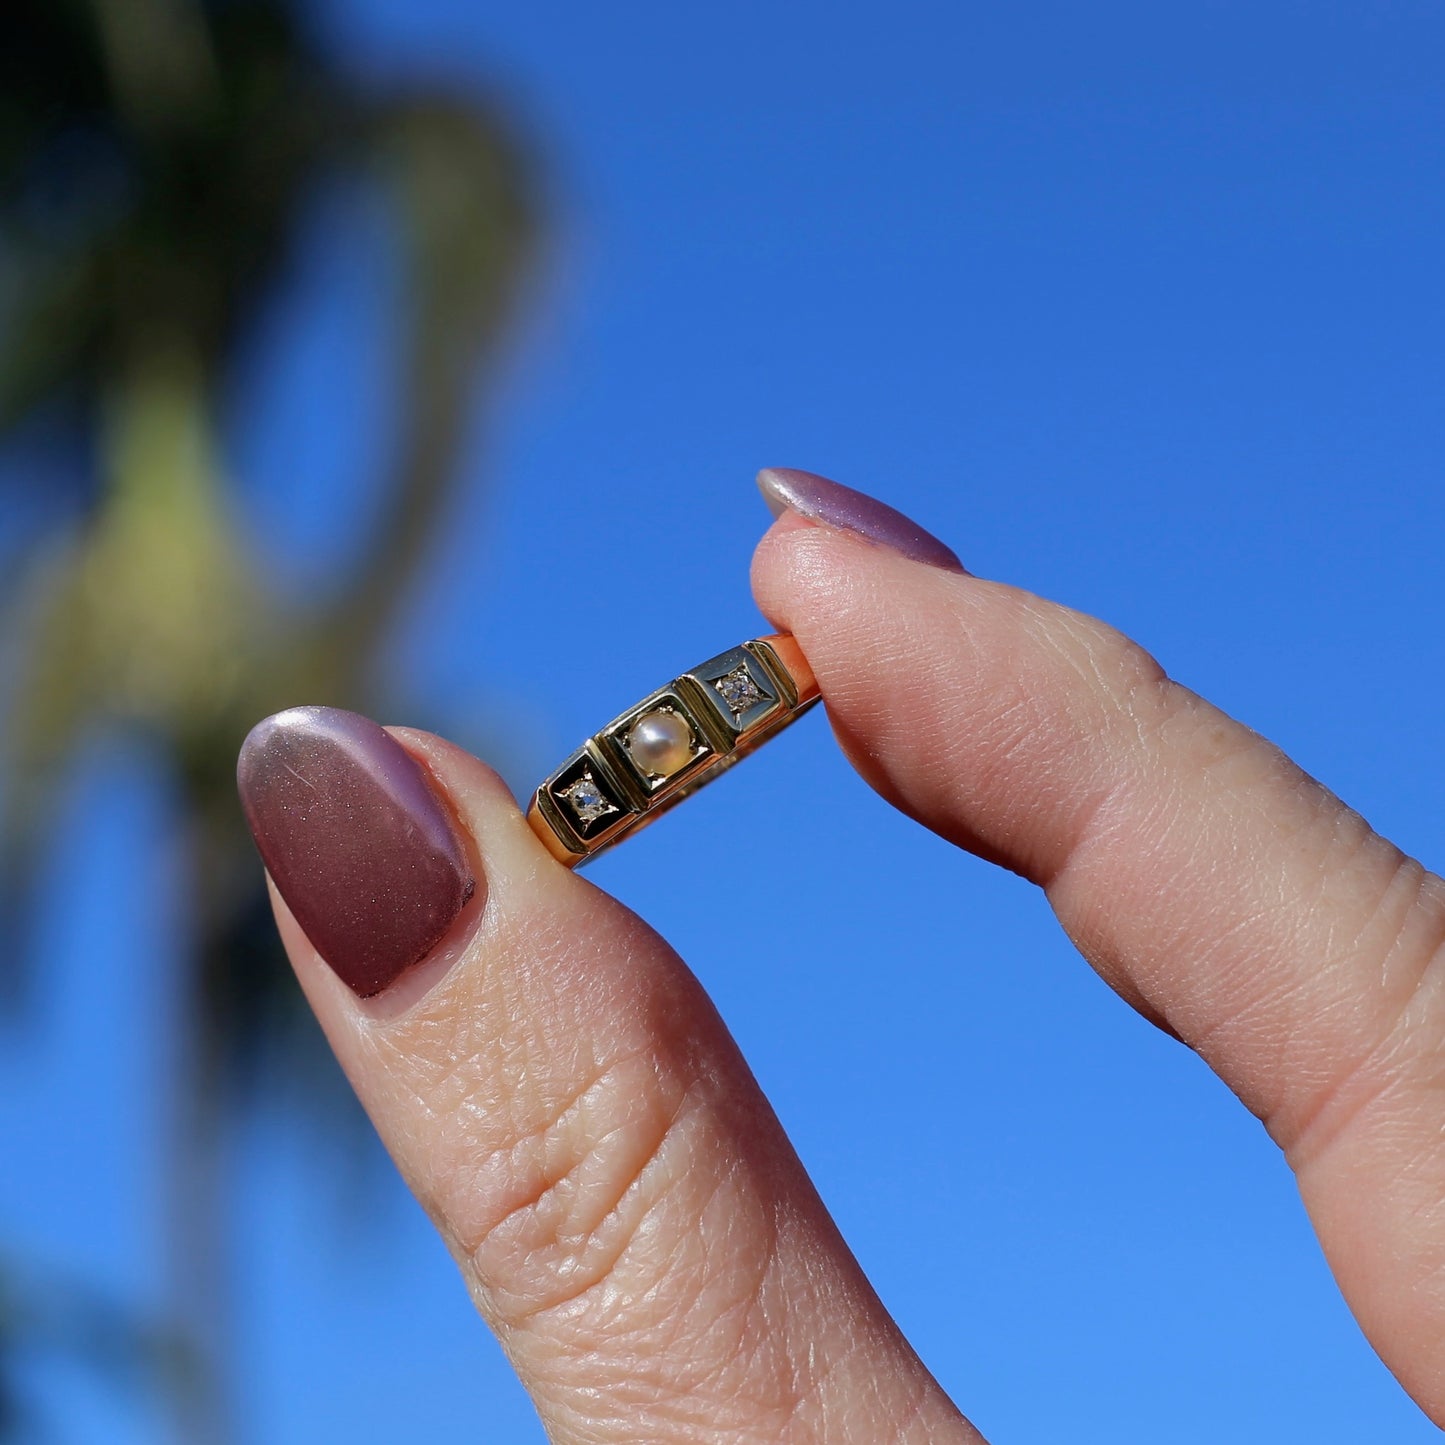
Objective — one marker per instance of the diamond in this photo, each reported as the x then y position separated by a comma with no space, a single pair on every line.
738,690
587,800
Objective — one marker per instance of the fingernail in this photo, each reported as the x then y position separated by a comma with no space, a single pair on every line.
835,505
355,839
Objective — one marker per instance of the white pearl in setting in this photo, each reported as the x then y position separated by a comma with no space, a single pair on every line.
660,743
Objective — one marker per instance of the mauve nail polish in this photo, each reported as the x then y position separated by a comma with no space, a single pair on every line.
357,842
835,505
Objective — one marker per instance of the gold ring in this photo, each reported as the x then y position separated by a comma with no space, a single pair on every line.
671,743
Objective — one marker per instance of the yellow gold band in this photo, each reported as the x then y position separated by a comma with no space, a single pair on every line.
668,745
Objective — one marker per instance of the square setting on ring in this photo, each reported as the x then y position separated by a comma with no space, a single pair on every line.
660,741
738,690
588,800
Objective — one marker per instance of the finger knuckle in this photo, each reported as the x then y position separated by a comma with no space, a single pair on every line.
1391,1063
559,1205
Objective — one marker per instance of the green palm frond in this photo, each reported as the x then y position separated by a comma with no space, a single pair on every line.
156,157
150,614
458,185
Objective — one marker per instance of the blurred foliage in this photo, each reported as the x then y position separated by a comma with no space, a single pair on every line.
70,1323
156,158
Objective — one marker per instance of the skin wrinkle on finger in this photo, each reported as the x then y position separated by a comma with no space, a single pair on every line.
625,1210
1096,900
722,1301
1409,940
723,1357
734,1352
571,1202
728,1342
1329,844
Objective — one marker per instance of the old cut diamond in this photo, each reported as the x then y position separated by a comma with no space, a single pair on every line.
738,690
587,800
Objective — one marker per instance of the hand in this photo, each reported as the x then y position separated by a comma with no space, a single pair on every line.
565,1102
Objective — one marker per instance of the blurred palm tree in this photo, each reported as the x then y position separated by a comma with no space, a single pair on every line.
155,158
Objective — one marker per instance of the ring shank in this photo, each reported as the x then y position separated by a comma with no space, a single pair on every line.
732,704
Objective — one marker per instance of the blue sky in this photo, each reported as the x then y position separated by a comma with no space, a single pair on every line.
1138,306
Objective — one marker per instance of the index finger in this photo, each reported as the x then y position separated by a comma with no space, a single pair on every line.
1214,884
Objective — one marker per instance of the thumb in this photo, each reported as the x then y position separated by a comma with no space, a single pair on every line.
569,1108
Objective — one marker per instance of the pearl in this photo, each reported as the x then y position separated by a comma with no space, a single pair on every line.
660,743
